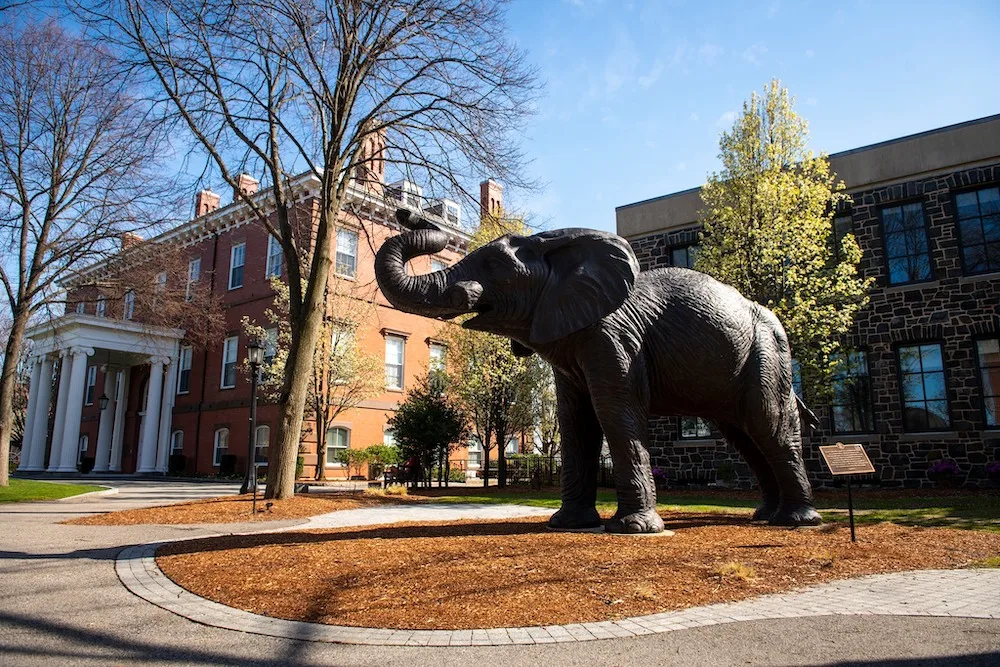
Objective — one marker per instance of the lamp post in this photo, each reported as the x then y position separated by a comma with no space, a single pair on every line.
255,355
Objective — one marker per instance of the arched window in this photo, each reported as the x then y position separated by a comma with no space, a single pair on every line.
221,447
177,442
338,439
262,441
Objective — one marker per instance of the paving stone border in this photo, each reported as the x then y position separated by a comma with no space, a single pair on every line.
959,593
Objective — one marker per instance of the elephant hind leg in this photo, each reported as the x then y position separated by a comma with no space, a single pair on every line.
760,467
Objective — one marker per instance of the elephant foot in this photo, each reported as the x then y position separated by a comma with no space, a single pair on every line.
646,521
575,518
796,515
765,511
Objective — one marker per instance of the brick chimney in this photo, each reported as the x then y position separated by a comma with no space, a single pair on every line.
247,184
205,201
130,240
490,198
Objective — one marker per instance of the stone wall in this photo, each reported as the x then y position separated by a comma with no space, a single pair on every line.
953,309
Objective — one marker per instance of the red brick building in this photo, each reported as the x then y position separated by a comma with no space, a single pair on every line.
167,397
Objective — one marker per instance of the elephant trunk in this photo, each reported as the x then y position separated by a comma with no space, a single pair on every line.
439,294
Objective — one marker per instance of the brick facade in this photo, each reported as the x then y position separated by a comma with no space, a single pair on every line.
953,308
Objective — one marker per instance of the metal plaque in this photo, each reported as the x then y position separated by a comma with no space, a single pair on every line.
844,459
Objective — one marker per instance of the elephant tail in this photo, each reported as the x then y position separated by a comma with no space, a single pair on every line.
806,416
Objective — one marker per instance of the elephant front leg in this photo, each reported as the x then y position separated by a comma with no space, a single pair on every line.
581,451
626,427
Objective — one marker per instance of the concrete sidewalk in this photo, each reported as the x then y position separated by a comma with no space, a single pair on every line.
62,603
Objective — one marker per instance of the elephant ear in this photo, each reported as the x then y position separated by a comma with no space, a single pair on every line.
520,351
591,273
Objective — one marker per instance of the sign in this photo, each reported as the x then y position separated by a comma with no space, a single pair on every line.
844,459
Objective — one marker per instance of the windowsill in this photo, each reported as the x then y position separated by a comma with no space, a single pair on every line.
334,466
345,277
847,438
223,388
394,390
231,288
902,287
974,277
184,393
695,442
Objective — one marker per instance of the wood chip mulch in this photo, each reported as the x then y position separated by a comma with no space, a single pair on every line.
483,574
234,509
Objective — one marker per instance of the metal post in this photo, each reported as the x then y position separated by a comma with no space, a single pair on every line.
850,508
250,479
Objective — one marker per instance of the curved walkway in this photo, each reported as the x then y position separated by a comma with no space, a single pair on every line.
950,593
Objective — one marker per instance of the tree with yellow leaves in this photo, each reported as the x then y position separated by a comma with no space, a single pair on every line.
768,232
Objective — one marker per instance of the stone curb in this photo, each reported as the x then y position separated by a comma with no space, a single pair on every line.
106,491
955,593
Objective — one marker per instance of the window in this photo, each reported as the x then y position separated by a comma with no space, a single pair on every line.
338,439
438,264
388,438
346,264
262,441
80,306
274,258
394,346
102,306
906,247
797,379
475,452
452,213
924,396
229,362
438,357
237,258
684,255
695,428
979,229
221,447
177,442
161,282
512,446
129,308
851,406
84,443
988,354
91,383
842,226
194,273
270,345
184,370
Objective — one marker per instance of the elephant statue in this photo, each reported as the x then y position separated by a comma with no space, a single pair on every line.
623,345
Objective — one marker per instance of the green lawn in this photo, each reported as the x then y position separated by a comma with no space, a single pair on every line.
978,510
21,490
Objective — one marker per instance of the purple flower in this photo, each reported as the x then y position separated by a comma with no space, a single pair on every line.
993,468
943,467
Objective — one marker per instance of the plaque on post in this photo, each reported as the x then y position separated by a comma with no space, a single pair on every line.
847,460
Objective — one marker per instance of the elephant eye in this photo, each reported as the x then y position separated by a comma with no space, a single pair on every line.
494,263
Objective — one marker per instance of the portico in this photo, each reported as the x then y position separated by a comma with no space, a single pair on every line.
72,343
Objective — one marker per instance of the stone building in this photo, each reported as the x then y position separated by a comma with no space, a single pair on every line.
924,382
166,397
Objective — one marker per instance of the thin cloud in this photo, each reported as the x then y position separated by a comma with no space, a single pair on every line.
648,79
709,52
754,52
726,120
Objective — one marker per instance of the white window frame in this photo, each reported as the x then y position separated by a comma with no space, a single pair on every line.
402,361
82,444
128,305
184,365
88,394
221,434
338,265
439,362
475,447
238,253
102,307
264,430
332,447
275,259
230,350
177,442
388,437
194,274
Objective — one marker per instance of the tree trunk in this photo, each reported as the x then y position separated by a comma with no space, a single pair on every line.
8,380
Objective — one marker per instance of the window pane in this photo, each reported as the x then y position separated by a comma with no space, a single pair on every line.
892,219
971,231
346,261
988,358
989,201
930,358
966,204
991,227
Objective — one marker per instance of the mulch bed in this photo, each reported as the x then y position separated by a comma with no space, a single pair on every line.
235,509
482,574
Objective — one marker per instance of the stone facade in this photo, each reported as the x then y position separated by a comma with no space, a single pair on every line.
952,308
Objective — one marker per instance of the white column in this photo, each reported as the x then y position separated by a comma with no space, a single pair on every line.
29,418
40,423
118,433
102,457
65,368
70,450
166,412
147,442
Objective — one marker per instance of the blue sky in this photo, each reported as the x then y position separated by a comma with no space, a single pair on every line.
638,92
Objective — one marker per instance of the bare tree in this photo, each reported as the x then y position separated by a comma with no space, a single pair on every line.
433,88
78,168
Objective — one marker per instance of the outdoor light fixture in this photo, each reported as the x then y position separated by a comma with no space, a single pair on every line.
255,355
103,401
